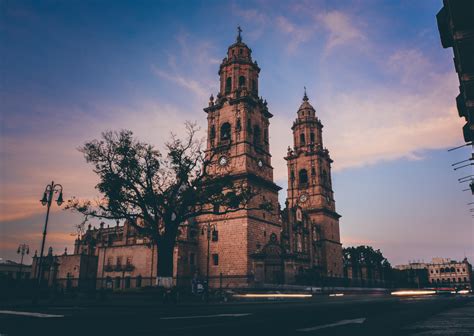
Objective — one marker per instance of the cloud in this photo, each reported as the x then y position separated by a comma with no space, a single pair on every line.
413,111
188,83
341,28
297,34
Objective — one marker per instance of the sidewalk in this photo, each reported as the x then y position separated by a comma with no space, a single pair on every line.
457,321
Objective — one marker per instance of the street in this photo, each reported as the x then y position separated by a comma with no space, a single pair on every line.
322,315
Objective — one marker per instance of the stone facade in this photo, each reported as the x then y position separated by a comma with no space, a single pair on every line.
444,272
252,246
310,194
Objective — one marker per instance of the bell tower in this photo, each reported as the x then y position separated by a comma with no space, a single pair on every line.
238,138
310,187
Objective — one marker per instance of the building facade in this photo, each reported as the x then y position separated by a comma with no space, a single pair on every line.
252,246
441,272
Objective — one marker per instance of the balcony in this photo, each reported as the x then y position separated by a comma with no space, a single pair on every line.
119,268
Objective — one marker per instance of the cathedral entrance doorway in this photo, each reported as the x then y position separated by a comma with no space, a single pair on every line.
273,263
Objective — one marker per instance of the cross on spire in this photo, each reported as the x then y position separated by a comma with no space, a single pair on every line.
239,37
305,97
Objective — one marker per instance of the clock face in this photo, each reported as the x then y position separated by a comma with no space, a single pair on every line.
223,160
303,198
260,163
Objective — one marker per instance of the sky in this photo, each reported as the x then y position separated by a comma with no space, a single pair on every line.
375,71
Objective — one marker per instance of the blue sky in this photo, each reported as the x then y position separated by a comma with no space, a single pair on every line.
375,71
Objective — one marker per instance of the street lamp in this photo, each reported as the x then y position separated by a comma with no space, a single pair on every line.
22,249
47,199
210,229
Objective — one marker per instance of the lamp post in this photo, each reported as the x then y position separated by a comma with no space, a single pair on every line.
22,249
210,228
47,199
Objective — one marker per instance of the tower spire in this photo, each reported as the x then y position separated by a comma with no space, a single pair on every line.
239,37
305,97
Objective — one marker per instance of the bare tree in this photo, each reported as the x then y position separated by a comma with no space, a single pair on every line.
157,193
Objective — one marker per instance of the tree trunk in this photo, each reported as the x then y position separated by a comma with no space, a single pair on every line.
165,264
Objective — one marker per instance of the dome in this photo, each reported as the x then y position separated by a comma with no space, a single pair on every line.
306,109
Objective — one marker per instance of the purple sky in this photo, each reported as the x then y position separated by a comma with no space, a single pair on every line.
375,71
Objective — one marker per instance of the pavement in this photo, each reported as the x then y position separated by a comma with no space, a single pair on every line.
320,315
458,321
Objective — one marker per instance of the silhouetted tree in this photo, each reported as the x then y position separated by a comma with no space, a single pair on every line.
156,193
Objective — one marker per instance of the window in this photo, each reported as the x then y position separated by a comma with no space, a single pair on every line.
216,208
225,131
302,139
241,51
192,258
265,135
127,282
452,270
303,176
212,133
119,261
109,261
241,81
311,136
431,271
238,127
215,259
254,85
459,279
292,175
228,85
117,282
215,235
256,135
313,171
465,279
129,261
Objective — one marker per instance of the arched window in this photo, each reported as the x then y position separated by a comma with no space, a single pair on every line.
452,270
238,126
302,139
256,135
225,131
249,125
212,133
117,283
303,176
228,85
254,85
127,282
311,135
241,81
446,270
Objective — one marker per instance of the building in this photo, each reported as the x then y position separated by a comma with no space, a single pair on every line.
441,272
451,273
247,247
14,271
67,270
456,30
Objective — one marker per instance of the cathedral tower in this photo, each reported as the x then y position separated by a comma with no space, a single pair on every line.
310,188
238,136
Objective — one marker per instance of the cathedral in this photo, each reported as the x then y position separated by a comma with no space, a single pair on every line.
247,247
